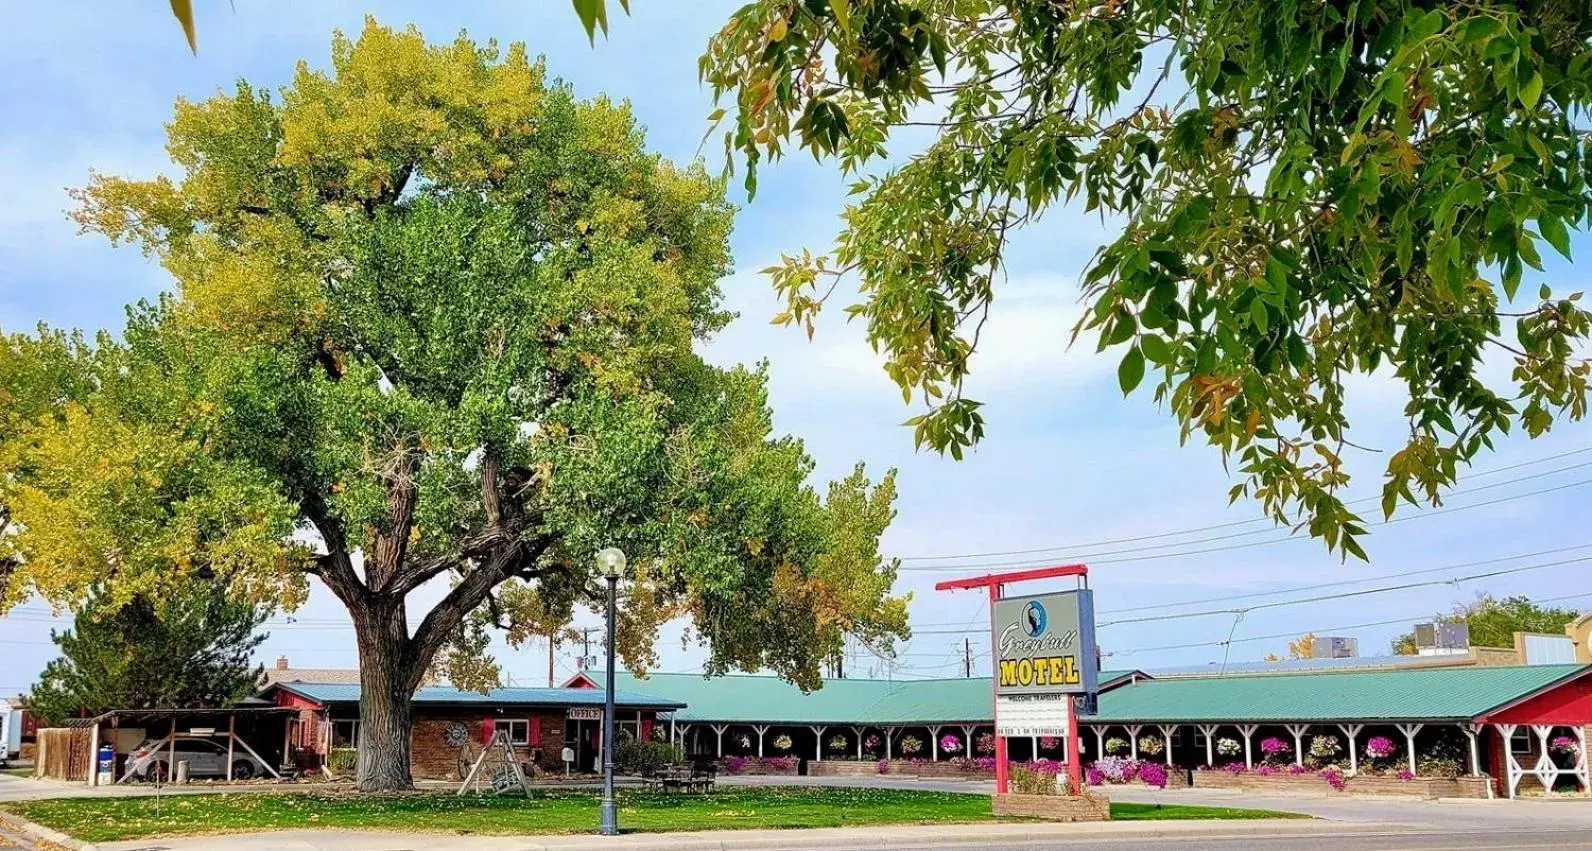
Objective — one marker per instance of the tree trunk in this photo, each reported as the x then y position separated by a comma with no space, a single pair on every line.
387,682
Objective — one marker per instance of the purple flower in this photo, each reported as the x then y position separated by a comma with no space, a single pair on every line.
1049,743
1296,769
1116,769
1406,774
1380,747
1234,768
1094,775
1273,746
735,764
1153,774
1334,778
950,743
1266,769
884,766
984,763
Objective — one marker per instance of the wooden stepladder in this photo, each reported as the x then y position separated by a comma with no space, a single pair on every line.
498,762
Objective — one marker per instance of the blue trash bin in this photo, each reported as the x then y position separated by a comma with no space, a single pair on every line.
107,764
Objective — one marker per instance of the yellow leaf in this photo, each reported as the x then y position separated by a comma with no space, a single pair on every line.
777,31
183,9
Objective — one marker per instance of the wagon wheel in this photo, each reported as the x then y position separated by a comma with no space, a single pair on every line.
467,757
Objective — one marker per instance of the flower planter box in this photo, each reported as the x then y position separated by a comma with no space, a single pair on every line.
1088,807
753,768
1176,778
1428,788
843,768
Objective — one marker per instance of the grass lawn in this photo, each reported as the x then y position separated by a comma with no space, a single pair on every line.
17,772
108,819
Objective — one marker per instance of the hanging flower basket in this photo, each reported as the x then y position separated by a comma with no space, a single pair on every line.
985,744
1325,747
1049,743
1273,747
1380,747
911,745
1566,745
949,743
1151,746
1116,745
782,743
838,743
871,743
1228,747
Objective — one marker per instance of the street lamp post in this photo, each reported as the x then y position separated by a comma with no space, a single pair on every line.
612,561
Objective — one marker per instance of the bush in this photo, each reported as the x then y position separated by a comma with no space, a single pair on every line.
633,757
1153,774
343,760
782,763
1035,778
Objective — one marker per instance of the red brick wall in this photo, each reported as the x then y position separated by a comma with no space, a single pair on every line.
432,758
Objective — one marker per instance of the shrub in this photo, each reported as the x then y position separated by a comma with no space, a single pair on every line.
632,757
1431,766
984,763
1153,774
734,764
343,760
1116,744
1151,746
1034,778
782,763
1093,775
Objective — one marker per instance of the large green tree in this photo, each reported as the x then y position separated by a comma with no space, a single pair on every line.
193,650
1307,190
434,324
1494,622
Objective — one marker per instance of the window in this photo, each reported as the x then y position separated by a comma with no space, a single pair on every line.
629,729
345,733
1520,742
519,731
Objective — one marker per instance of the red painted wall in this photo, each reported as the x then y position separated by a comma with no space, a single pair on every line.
287,698
1569,704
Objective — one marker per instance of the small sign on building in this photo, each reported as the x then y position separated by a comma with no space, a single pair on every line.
585,713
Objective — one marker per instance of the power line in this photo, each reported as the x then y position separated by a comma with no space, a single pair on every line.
1289,537
1325,629
1229,525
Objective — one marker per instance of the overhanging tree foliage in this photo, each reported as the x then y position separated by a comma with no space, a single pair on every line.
1308,190
194,650
433,324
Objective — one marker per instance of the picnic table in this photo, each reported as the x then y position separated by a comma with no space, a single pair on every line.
682,777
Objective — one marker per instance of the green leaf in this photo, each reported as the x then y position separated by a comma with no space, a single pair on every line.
1554,231
1480,28
1424,26
1258,312
842,10
1155,348
592,14
1131,371
1531,91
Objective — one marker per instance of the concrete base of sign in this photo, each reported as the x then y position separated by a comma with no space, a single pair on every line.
1090,806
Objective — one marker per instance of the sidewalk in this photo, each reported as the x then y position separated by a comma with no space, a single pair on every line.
980,836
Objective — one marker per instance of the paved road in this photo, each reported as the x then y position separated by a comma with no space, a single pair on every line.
1324,842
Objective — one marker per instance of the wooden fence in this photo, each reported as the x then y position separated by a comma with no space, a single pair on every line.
63,754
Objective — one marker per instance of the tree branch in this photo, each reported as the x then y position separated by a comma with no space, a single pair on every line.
335,568
513,559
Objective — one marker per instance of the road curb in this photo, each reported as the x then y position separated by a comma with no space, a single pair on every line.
975,835
39,831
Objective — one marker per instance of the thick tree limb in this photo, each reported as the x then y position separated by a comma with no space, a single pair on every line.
335,568
393,545
513,559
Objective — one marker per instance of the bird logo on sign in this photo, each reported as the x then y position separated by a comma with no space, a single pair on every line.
1034,618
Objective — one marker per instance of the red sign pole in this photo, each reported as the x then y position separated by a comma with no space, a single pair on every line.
995,582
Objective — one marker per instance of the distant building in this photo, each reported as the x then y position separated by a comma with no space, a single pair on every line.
282,672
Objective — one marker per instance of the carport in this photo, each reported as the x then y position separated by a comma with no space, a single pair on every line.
235,726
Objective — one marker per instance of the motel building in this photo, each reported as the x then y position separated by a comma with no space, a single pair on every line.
1455,731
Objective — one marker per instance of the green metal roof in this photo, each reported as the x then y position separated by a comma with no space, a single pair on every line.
1436,694
747,699
349,693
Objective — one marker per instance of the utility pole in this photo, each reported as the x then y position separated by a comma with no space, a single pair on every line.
585,645
967,659
552,641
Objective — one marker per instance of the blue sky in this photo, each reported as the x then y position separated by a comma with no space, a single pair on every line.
1067,462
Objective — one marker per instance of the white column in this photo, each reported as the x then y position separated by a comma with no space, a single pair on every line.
232,737
719,729
1581,765
857,731
1100,741
673,739
1470,731
1248,730
1512,769
1409,731
1298,731
1034,757
1209,732
761,730
93,756
818,738
967,740
889,750
1167,732
1133,741
934,743
1546,771
1352,731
